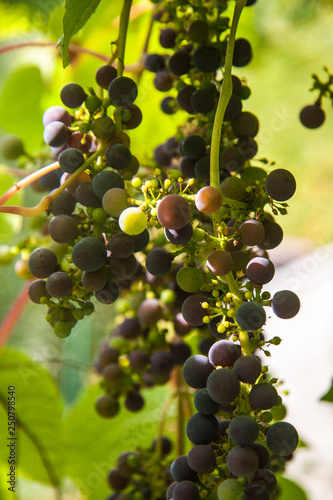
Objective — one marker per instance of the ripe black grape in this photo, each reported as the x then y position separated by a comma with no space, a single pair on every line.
154,63
63,228
141,240
72,95
285,304
186,490
104,76
206,58
56,134
250,316
252,232
108,294
232,159
312,116
57,114
168,105
181,471
161,363
192,310
85,195
180,352
158,262
179,63
242,461
263,396
138,359
59,285
118,156
134,401
184,98
223,353
219,263
248,369
223,386
260,270
107,406
121,245
201,459
64,203
247,124
42,262
202,429
202,100
105,180
280,184
37,290
173,211
89,254
179,236
242,53
123,91
234,108
243,430
168,38
196,371
282,439
149,312
204,403
193,146
273,235
163,81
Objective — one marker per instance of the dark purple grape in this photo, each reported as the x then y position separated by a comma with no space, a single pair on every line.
104,76
64,203
201,459
179,236
55,134
206,58
180,63
161,363
193,146
203,100
173,211
57,114
285,304
181,471
121,245
94,280
202,429
223,353
164,444
163,81
273,235
37,290
248,369
85,195
262,453
186,490
122,91
242,462
59,285
223,386
134,401
118,156
252,232
312,116
63,228
129,328
138,360
72,95
260,270
232,159
108,294
243,430
280,184
242,53
168,105
247,124
106,180
204,403
89,254
265,478
250,316
42,262
184,98
149,312
263,396
158,262
234,108
282,439
117,481
168,38
192,309
196,371
180,352
154,63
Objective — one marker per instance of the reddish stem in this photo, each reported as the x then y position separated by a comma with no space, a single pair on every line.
72,47
14,314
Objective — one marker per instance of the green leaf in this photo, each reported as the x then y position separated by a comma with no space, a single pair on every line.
76,16
20,106
93,443
288,490
38,411
329,395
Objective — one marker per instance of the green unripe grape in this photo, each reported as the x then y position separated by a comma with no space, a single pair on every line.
234,188
115,201
99,215
190,279
168,296
103,128
62,329
92,103
11,147
250,175
198,235
278,412
132,221
231,489
84,128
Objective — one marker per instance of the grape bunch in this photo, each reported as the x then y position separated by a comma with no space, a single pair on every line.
183,261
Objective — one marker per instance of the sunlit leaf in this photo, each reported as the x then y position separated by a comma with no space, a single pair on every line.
77,14
329,395
288,490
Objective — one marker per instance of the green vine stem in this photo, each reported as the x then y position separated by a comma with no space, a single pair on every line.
53,477
233,290
226,92
123,26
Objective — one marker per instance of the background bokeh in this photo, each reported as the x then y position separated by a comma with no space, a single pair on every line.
291,40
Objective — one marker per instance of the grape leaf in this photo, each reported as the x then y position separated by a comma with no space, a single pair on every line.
77,14
288,490
329,395
38,410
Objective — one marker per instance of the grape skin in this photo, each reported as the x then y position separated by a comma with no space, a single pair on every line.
201,459
173,212
263,396
285,304
208,200
250,316
223,386
282,438
242,462
196,371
